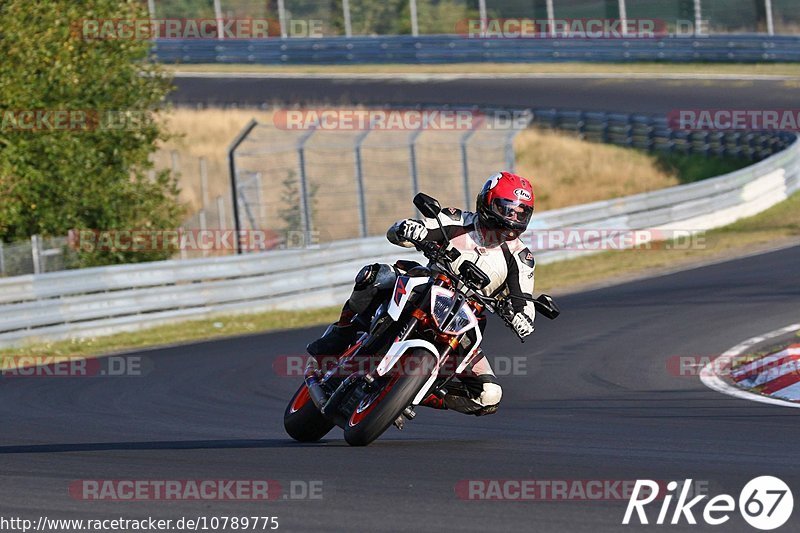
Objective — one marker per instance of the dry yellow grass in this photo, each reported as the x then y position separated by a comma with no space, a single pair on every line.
203,133
565,170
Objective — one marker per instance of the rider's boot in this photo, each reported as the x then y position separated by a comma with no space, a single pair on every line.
433,401
465,399
337,337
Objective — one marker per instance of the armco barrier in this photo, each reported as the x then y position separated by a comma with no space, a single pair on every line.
746,48
106,300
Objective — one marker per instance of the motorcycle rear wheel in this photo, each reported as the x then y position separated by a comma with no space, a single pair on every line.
400,387
302,420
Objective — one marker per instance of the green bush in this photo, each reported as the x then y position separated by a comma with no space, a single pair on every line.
56,179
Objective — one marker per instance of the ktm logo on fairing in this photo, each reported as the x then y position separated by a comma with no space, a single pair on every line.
400,289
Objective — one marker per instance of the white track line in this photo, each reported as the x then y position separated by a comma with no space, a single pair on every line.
484,76
710,378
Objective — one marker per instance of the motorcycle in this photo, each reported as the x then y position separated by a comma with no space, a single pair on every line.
422,336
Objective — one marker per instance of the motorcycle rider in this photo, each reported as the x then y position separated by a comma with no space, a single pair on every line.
488,237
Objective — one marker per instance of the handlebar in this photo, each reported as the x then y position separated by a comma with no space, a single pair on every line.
435,251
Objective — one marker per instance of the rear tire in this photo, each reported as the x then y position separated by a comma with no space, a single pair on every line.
398,391
302,420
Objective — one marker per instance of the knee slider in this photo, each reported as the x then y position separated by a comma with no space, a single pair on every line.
491,395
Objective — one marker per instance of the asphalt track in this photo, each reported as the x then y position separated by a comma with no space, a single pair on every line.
634,95
596,401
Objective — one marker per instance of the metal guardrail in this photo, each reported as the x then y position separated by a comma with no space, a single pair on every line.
745,48
105,300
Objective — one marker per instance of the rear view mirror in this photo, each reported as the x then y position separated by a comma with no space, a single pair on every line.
427,205
546,306
473,276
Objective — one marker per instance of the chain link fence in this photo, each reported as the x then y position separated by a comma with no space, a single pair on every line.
36,256
332,185
301,187
432,17
204,192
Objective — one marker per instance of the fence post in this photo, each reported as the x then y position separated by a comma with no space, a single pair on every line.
221,221
698,17
465,165
237,225
175,162
623,16
304,204
2,260
220,23
362,208
412,8
282,18
35,255
348,27
512,134
770,22
551,17
204,182
202,215
412,160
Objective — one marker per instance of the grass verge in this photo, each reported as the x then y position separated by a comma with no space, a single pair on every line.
780,223
774,69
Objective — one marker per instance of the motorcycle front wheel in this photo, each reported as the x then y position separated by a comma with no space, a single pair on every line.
393,393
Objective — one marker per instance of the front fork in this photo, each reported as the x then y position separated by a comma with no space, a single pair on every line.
338,405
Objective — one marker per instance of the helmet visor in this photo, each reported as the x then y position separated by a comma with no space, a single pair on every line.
515,214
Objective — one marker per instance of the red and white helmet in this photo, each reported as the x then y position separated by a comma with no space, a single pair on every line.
505,204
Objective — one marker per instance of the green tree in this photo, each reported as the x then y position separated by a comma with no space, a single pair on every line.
59,178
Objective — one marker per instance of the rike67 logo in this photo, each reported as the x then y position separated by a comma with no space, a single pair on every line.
765,503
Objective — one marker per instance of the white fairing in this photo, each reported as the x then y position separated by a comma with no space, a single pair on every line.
396,352
471,353
399,348
399,300
396,306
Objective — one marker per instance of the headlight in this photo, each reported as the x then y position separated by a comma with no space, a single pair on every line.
464,320
442,301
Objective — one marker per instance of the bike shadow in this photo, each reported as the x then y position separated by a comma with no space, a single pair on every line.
220,444
153,445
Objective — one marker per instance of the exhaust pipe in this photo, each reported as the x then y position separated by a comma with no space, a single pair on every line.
318,395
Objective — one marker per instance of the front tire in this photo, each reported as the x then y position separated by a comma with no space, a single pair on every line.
377,412
302,420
